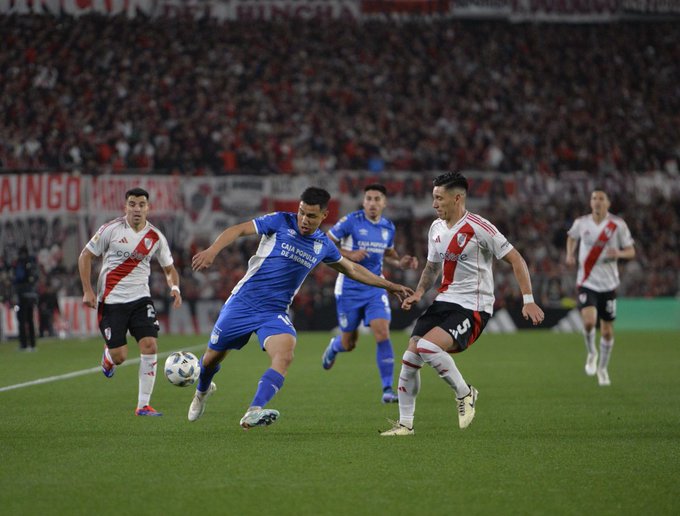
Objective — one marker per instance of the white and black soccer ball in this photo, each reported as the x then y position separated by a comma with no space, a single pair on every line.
182,368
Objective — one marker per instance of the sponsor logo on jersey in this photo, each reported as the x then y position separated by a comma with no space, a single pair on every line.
292,232
363,232
123,241
437,240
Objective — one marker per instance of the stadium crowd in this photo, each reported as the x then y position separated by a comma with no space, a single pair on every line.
102,95
199,97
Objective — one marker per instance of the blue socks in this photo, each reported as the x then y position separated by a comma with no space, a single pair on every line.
384,356
206,377
270,383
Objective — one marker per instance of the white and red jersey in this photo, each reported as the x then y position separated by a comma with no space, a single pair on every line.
467,250
595,270
127,254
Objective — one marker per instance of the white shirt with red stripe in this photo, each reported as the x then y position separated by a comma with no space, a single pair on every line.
595,270
127,254
467,251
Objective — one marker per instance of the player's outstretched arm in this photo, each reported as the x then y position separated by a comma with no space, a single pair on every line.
530,310
205,258
85,271
172,277
429,275
363,275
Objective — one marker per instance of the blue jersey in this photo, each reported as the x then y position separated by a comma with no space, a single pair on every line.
355,231
282,262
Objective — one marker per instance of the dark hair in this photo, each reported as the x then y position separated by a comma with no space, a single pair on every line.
378,187
137,192
314,196
451,180
598,188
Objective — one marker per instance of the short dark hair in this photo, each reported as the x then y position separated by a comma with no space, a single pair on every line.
378,187
137,192
599,188
451,180
314,196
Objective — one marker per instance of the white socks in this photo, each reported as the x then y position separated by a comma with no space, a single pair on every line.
589,337
408,387
605,352
147,377
443,363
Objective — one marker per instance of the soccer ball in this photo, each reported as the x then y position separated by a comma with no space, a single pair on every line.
182,368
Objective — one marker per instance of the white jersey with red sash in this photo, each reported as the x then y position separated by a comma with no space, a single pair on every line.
467,251
595,270
127,254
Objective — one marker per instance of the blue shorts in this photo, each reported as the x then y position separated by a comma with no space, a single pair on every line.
352,309
238,321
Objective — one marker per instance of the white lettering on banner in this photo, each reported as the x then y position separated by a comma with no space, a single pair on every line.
108,193
40,193
568,6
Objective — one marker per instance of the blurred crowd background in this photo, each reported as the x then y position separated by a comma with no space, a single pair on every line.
99,96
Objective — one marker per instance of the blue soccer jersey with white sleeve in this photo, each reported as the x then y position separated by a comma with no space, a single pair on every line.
283,260
354,232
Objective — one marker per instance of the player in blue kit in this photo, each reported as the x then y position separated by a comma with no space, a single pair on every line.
290,247
367,238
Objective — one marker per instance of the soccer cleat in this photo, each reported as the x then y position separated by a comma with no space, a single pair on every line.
328,358
603,378
398,429
197,406
466,408
389,396
108,367
258,417
591,364
147,410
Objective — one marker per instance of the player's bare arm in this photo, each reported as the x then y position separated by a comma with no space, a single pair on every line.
85,270
363,275
428,277
530,310
571,250
172,277
392,258
356,256
205,258
627,253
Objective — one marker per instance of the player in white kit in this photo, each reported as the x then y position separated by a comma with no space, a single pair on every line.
461,247
604,238
123,299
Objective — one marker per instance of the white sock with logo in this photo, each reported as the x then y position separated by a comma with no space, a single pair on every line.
408,387
147,377
605,352
589,337
443,363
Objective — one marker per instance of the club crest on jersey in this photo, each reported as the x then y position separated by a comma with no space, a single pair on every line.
317,246
147,243
460,239
385,234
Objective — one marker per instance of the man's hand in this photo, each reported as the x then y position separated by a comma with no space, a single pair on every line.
90,300
408,262
533,311
177,296
356,256
400,291
202,259
411,300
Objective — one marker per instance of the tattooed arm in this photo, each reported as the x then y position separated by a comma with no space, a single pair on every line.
430,274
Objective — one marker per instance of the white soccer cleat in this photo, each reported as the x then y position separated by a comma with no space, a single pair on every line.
603,378
258,417
591,364
197,406
398,429
466,408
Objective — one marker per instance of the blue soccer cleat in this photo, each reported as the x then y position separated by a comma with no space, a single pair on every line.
328,358
147,410
108,367
389,396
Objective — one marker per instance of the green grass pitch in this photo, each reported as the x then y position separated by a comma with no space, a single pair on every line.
546,438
